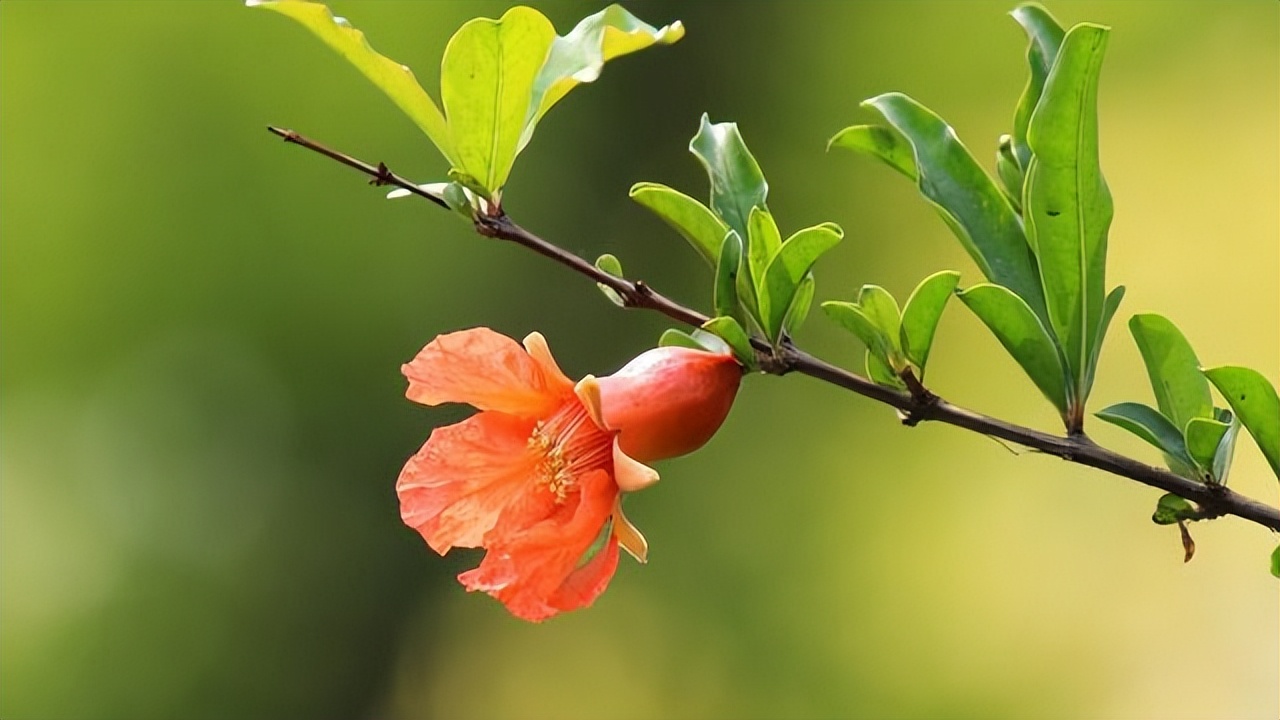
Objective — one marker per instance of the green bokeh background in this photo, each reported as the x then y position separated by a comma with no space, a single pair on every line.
202,415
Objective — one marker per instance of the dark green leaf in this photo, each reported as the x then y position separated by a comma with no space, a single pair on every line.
1108,312
1068,206
1148,424
1045,35
1181,390
777,291
737,185
1203,437
851,317
968,200
610,264
1256,405
727,269
878,141
1009,173
693,220
1170,509
732,333
921,314
1023,335
882,374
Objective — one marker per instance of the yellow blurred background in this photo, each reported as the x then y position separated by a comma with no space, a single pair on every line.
202,415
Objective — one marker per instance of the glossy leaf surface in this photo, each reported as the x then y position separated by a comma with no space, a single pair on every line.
878,141
1181,390
1147,423
1203,435
729,330
1256,405
852,318
921,314
728,265
788,268
737,184
1018,329
694,221
1045,36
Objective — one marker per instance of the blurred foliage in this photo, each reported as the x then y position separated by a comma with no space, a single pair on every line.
202,417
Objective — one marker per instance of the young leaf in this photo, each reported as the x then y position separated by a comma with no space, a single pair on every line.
1171,509
1226,447
1256,405
693,220
878,141
1018,329
1068,206
1148,424
729,264
880,308
610,264
392,78
1181,390
882,374
789,266
580,56
921,314
486,85
1108,312
728,329
1203,437
1010,174
1045,36
737,185
1275,561
799,306
966,197
851,317
763,242
679,338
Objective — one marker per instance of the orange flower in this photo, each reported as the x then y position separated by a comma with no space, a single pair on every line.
536,476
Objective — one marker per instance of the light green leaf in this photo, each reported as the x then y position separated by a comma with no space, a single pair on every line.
1227,447
1045,36
1256,405
1275,561
800,306
1108,312
1148,424
921,314
1181,390
878,141
789,266
851,317
1068,206
1203,437
394,79
679,338
882,374
1018,329
580,56
728,329
1171,509
763,243
737,185
1010,174
880,308
486,85
729,264
693,220
966,197
611,265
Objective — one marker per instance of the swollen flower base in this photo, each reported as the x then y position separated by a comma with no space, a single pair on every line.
536,477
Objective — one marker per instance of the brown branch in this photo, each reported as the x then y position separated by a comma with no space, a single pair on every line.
917,405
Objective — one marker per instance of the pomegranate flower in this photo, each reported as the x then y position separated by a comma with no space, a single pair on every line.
536,477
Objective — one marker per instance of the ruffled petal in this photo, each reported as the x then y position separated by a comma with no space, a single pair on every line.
525,571
454,489
585,584
486,369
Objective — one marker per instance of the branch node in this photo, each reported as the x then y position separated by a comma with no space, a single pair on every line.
922,400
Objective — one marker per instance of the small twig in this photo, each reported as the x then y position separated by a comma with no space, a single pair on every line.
918,405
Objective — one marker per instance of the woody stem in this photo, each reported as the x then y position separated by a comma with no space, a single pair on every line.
917,405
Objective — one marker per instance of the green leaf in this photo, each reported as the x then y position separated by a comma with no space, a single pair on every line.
921,314
580,56
679,338
1108,312
882,374
394,79
737,185
789,266
1171,509
693,220
1148,424
1203,437
1275,561
1068,206
486,85
1045,36
728,329
729,264
1256,405
1181,390
878,141
880,308
966,197
611,265
852,318
1226,447
763,243
800,306
1010,174
1018,329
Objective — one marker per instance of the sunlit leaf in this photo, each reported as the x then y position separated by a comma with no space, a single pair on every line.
611,265
1018,329
921,314
732,333
852,318
679,338
882,374
788,268
1147,423
800,305
580,56
737,185
878,141
486,84
1275,561
1170,509
1256,405
1068,206
763,242
966,197
880,308
1045,36
693,220
1181,390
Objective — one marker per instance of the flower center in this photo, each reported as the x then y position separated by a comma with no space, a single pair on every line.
569,445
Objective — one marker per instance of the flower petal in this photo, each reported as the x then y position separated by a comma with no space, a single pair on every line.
537,347
585,584
454,489
486,369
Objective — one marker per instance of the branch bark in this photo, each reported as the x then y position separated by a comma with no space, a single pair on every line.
916,406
